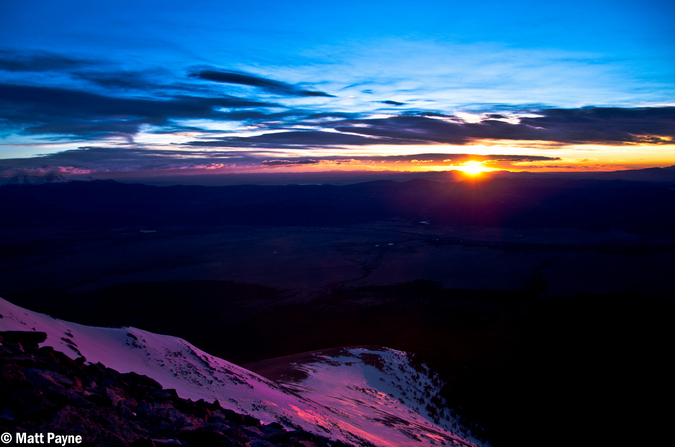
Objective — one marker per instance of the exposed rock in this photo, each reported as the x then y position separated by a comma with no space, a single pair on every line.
42,390
254,432
25,338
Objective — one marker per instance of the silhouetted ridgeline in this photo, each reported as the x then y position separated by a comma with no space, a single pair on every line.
643,208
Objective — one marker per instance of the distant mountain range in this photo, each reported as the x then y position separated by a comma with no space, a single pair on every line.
509,202
24,179
666,174
641,175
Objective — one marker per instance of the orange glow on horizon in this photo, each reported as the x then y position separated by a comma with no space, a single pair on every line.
472,168
472,161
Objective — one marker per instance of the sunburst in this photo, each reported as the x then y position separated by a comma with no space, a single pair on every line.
472,168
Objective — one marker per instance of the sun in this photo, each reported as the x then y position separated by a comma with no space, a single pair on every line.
472,168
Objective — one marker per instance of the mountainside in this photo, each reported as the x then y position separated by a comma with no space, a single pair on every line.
357,380
46,394
371,403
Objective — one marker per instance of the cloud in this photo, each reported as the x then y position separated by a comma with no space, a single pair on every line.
82,111
74,112
455,158
41,172
288,162
270,85
604,126
297,139
38,61
91,160
612,126
120,79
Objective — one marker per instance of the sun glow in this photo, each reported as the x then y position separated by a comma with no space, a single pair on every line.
472,167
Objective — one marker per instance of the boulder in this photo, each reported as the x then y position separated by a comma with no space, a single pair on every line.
24,338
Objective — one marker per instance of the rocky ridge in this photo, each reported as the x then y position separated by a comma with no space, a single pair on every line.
44,391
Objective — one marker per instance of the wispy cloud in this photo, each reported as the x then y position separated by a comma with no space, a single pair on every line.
122,79
270,85
39,61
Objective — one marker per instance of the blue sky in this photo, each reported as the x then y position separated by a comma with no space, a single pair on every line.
299,81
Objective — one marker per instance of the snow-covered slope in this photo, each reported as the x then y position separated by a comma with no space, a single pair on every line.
361,396
370,383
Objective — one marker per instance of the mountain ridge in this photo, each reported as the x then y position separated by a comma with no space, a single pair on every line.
379,420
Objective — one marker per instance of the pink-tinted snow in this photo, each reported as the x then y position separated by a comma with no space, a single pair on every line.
342,397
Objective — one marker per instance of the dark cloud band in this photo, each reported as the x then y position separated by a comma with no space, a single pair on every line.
38,61
605,126
74,112
272,86
113,159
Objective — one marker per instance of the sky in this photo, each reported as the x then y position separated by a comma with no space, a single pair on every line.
164,88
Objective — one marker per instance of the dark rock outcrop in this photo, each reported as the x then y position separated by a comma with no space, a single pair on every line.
23,338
